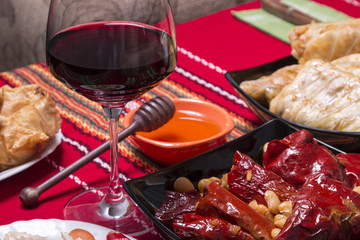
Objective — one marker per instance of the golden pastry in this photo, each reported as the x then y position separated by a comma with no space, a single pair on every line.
28,120
266,88
326,41
323,96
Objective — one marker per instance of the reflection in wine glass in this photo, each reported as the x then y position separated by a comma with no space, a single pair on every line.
110,51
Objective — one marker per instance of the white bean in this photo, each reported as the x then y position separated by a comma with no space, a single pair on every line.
182,184
224,181
262,209
275,232
279,220
205,182
285,208
272,201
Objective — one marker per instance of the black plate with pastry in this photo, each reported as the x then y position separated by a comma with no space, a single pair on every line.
316,88
348,141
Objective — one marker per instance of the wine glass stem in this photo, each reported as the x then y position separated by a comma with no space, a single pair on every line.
115,193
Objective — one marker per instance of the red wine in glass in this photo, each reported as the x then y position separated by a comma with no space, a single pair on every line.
111,52
111,62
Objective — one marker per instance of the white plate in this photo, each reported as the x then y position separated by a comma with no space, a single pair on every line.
52,228
54,142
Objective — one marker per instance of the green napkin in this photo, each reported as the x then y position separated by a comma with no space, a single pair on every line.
315,10
279,28
266,22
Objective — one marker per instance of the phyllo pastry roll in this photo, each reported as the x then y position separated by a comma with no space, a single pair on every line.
349,63
265,88
323,96
326,41
28,120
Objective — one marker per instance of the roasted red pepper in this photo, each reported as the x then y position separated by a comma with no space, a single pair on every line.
198,227
175,205
324,208
297,168
298,157
219,202
352,166
249,181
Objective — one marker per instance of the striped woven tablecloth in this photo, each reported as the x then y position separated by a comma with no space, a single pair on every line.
208,47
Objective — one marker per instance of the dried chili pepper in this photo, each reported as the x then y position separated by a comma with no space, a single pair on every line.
249,181
324,209
198,227
298,157
219,202
352,166
175,205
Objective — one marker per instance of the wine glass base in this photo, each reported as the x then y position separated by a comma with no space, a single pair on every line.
89,207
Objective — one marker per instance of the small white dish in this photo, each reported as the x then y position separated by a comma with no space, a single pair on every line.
54,142
52,228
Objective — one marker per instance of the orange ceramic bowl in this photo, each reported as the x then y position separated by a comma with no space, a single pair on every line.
196,127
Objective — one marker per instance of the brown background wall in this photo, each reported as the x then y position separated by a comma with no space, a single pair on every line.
23,26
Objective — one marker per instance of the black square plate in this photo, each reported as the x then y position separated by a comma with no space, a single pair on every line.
148,192
346,141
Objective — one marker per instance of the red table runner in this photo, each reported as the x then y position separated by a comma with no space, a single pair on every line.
208,47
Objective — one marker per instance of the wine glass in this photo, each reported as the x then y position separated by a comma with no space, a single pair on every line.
111,52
